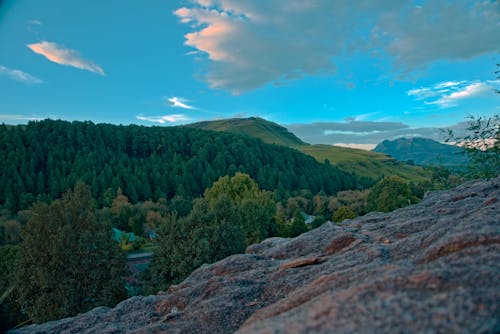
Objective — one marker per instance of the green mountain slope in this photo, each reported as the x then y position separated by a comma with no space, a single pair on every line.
41,160
364,163
423,151
373,165
256,127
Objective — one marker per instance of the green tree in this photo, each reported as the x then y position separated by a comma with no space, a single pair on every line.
68,262
253,208
232,214
298,224
389,194
318,221
342,213
10,314
162,270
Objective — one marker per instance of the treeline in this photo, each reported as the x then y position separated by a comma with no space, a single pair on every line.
41,160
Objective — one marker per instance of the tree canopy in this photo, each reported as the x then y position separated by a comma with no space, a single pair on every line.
231,215
389,194
68,262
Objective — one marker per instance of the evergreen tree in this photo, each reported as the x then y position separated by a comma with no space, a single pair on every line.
298,224
68,262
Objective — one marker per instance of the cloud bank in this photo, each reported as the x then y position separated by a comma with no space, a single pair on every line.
17,119
19,75
354,132
63,56
249,44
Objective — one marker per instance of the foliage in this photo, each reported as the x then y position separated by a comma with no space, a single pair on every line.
355,200
298,225
389,194
232,214
10,314
68,262
318,221
10,231
343,213
482,144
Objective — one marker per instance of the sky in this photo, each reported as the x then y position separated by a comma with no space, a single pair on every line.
331,71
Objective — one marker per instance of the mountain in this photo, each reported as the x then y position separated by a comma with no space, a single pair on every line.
256,127
43,159
371,165
404,271
423,151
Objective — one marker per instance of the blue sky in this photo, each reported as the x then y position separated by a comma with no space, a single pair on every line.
314,65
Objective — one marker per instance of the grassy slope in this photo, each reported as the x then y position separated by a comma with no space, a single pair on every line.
269,132
364,163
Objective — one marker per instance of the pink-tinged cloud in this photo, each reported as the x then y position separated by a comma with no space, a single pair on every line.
63,56
19,75
174,118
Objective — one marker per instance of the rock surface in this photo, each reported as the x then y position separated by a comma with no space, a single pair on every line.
430,267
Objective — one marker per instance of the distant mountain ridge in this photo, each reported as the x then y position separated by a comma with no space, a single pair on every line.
423,151
269,132
368,164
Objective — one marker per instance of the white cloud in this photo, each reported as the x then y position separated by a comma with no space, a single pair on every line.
249,44
174,118
179,102
19,75
448,94
63,56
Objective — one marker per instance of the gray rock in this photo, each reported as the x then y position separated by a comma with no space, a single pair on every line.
431,267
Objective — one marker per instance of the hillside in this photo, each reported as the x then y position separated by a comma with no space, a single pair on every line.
42,160
423,151
256,127
364,163
430,267
372,165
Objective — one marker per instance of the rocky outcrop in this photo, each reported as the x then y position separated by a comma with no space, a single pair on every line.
430,267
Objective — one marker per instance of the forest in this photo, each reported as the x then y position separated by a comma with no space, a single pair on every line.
41,160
